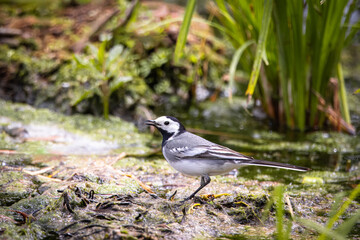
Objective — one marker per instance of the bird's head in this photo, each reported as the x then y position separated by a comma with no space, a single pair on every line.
168,126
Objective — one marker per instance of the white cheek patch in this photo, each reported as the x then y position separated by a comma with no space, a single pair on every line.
173,127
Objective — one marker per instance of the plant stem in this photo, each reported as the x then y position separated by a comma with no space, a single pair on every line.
106,107
260,48
105,95
180,43
343,95
278,198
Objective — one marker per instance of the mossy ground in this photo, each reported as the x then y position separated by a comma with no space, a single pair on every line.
57,195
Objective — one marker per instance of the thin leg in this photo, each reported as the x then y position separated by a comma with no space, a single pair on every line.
205,180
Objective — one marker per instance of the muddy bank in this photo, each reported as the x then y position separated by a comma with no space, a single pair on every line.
92,197
83,177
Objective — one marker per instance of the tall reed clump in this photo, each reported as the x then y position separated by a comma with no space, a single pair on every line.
296,55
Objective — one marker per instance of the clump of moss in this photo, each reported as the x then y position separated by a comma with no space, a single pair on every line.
15,186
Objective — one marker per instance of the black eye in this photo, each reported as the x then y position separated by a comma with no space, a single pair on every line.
166,123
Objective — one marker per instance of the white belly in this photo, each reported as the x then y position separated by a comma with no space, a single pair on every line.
200,168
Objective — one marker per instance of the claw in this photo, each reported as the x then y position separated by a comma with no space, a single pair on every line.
192,208
171,198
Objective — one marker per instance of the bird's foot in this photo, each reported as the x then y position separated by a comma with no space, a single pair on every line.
189,198
182,202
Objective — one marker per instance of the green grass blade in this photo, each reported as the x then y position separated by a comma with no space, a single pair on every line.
342,209
260,48
326,40
278,192
282,230
345,227
79,61
320,228
282,38
180,43
114,54
118,82
343,95
353,29
234,63
247,10
298,60
101,55
279,203
219,27
337,203
229,21
86,94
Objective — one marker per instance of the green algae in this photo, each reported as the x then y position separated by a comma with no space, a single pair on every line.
227,123
244,210
207,221
120,207
126,186
6,142
30,65
319,142
154,164
26,231
15,186
14,159
116,134
32,205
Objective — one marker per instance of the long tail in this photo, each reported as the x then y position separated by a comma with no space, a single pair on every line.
276,165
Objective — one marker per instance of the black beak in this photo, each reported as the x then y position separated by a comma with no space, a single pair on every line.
150,122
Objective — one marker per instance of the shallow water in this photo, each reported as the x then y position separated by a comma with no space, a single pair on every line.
230,125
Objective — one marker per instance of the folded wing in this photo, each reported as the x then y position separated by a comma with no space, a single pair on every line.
217,152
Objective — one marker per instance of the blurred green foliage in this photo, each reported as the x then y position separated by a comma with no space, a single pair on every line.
39,7
139,53
108,70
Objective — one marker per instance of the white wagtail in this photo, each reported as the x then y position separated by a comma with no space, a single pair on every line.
195,156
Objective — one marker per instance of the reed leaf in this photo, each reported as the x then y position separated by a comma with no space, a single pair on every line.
327,42
301,41
184,29
343,96
282,39
235,60
260,48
